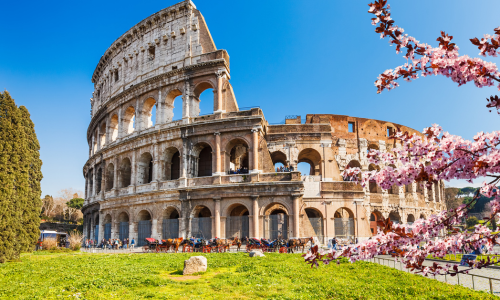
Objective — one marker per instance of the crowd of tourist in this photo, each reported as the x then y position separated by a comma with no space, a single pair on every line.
110,244
284,169
242,170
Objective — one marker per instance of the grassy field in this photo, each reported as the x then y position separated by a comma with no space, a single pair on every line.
229,275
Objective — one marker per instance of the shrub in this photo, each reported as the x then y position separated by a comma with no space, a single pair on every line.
75,240
49,243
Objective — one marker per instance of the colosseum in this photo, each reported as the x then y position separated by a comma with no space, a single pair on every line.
151,173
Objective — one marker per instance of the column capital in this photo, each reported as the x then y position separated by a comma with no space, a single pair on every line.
216,133
216,199
295,196
254,197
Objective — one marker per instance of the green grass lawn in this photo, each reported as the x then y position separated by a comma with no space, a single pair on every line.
229,276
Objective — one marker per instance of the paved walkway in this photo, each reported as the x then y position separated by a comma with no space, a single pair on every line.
467,280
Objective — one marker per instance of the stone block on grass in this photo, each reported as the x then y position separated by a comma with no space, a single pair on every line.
195,264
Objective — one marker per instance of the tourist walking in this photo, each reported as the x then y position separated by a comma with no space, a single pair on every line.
132,244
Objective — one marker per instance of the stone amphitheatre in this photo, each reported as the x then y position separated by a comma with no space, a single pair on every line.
174,177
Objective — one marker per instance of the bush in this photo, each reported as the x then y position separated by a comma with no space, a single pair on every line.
471,222
75,240
49,243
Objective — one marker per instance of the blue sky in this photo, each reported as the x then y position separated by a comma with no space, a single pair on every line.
288,57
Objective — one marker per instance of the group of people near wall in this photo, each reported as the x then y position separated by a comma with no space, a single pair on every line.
110,244
284,169
242,170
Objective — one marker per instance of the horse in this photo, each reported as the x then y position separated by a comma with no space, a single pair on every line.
297,243
174,243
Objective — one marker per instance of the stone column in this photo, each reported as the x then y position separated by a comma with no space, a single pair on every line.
133,169
255,150
184,160
156,161
186,103
93,180
120,125
131,231
255,212
217,154
296,227
217,216
326,231
218,103
159,110
115,174
154,229
92,226
101,229
92,146
99,133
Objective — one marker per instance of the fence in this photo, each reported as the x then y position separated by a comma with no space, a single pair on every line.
201,228
474,282
317,225
276,226
124,227
144,229
344,227
107,231
237,227
170,229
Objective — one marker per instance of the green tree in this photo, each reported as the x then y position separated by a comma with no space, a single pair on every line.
20,176
76,203
471,222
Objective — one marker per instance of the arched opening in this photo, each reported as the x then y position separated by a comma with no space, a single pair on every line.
372,146
94,147
113,127
237,156
144,227
394,217
374,218
125,172
145,169
410,219
96,228
148,113
201,222
313,159
98,179
344,223
316,221
394,189
170,228
237,223
374,188
276,222
110,177
171,164
422,216
90,177
129,120
203,101
107,227
202,160
279,161
173,106
123,222
102,135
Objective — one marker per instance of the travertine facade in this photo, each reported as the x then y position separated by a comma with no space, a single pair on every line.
171,177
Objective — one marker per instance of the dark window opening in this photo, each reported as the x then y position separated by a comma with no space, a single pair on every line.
116,76
151,51
205,162
150,171
390,131
351,127
176,166
174,67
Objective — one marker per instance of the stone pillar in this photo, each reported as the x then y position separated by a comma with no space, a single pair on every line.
186,103
255,150
133,169
159,110
92,226
217,216
255,212
217,154
327,231
218,104
93,180
115,174
156,162
296,212
92,152
184,160
120,125
182,228
101,229
131,231
154,229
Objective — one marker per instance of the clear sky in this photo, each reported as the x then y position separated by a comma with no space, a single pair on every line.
288,57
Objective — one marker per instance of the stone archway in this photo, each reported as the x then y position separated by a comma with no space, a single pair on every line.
201,222
170,225
237,222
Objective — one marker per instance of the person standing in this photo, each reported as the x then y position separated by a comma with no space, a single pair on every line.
132,244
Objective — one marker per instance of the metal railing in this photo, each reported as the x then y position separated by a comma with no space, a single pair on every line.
490,279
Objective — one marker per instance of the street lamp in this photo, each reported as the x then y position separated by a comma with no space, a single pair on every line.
357,223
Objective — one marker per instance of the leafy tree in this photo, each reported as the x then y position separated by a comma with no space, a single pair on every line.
20,178
471,222
76,203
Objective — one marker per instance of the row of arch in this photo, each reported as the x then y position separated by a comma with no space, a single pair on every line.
393,216
170,166
147,113
308,162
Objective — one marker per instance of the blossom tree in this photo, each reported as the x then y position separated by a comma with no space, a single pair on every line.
435,155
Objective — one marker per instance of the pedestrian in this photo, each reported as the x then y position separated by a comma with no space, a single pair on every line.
132,244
